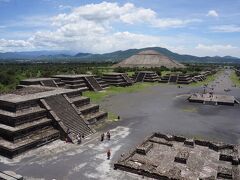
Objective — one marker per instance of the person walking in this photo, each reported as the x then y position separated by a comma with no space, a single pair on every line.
108,154
79,139
108,135
102,137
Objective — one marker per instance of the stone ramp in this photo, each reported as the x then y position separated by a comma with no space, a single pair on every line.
68,116
93,83
140,77
129,81
49,83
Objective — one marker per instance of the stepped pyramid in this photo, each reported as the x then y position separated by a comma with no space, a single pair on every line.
149,58
35,115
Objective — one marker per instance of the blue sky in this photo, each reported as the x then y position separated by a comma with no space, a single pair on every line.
197,27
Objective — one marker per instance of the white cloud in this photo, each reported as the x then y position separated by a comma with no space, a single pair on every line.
128,13
212,13
226,28
89,28
218,49
14,45
64,7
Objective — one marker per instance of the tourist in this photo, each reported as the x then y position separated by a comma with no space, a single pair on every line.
83,136
79,140
108,154
102,137
108,135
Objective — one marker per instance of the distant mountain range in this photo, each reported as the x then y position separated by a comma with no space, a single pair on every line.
66,56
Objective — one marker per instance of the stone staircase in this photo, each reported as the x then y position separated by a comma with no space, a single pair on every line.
49,83
91,113
101,82
140,77
173,78
69,116
23,127
127,79
93,83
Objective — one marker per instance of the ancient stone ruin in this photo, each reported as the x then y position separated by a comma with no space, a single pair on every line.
163,156
117,79
35,115
213,99
145,76
149,58
83,81
180,78
176,78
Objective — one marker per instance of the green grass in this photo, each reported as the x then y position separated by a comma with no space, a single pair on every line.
209,79
112,90
235,79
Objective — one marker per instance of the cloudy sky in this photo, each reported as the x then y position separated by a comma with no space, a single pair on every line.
197,27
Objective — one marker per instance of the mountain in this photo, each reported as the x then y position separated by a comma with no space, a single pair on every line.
117,56
34,54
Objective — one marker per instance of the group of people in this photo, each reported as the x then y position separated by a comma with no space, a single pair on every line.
103,136
79,138
108,135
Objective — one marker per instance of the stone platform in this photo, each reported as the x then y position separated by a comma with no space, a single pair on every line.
215,99
36,115
163,156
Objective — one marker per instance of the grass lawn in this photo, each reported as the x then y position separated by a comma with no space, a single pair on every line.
235,79
209,79
112,90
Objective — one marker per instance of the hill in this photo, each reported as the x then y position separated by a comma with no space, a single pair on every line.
117,56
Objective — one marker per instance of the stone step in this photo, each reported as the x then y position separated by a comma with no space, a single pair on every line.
79,99
79,81
89,108
76,86
93,83
67,115
39,138
23,116
13,133
90,118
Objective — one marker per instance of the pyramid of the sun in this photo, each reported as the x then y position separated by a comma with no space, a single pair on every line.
149,58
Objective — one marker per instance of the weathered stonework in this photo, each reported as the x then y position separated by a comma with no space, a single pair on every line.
163,156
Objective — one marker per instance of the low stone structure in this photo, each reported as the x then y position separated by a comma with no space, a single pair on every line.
51,82
89,82
163,156
82,81
36,115
145,76
214,99
117,79
176,78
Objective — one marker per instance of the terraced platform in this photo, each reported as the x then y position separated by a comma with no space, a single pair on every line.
215,99
117,79
163,156
36,115
145,76
89,82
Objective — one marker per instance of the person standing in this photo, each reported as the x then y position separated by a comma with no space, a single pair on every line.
108,154
108,135
102,137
